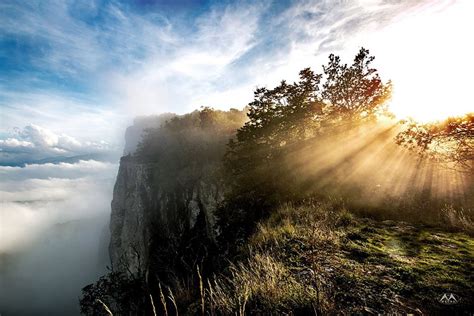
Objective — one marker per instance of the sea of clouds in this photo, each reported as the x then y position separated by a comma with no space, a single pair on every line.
53,220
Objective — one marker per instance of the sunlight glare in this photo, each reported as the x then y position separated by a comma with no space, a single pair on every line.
429,58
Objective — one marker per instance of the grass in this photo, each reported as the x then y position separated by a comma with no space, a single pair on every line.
319,259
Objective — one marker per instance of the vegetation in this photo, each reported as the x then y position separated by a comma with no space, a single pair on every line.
324,136
283,119
319,259
451,141
195,138
289,119
124,294
323,212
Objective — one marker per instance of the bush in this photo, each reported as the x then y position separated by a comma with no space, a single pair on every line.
121,294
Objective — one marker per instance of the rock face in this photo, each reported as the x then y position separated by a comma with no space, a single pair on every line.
143,210
167,191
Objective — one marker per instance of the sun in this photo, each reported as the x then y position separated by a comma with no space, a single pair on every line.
429,55
429,103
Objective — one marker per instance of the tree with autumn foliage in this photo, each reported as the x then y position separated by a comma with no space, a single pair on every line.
450,141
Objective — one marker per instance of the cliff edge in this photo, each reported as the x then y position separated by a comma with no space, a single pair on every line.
167,191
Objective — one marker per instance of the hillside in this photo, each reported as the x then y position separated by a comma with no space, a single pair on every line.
320,259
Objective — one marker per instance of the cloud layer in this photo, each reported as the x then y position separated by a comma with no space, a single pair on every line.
37,196
53,233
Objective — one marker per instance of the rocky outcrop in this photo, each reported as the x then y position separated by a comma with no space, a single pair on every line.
168,189
145,208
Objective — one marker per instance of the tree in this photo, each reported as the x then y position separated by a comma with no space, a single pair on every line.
291,113
282,119
355,90
450,141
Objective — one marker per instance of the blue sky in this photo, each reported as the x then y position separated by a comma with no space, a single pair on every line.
84,69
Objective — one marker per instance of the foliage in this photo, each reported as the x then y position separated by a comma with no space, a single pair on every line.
318,258
191,139
449,141
262,285
355,90
286,118
122,294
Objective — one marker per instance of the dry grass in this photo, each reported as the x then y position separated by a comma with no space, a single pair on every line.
316,222
153,304
319,259
262,283
163,302
107,309
457,218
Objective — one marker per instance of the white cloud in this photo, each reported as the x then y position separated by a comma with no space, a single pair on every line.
82,118
146,63
192,67
36,197
427,56
40,137
34,142
15,143
53,233
238,47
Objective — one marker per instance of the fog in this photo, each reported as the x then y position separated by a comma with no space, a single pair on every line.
53,234
372,170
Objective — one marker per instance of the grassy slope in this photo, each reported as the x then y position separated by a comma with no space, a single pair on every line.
321,259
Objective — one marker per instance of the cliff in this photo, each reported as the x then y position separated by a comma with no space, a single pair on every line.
144,211
166,192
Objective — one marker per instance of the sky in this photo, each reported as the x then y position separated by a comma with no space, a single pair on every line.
74,74
81,70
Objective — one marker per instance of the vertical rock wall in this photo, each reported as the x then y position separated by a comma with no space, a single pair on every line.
143,209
